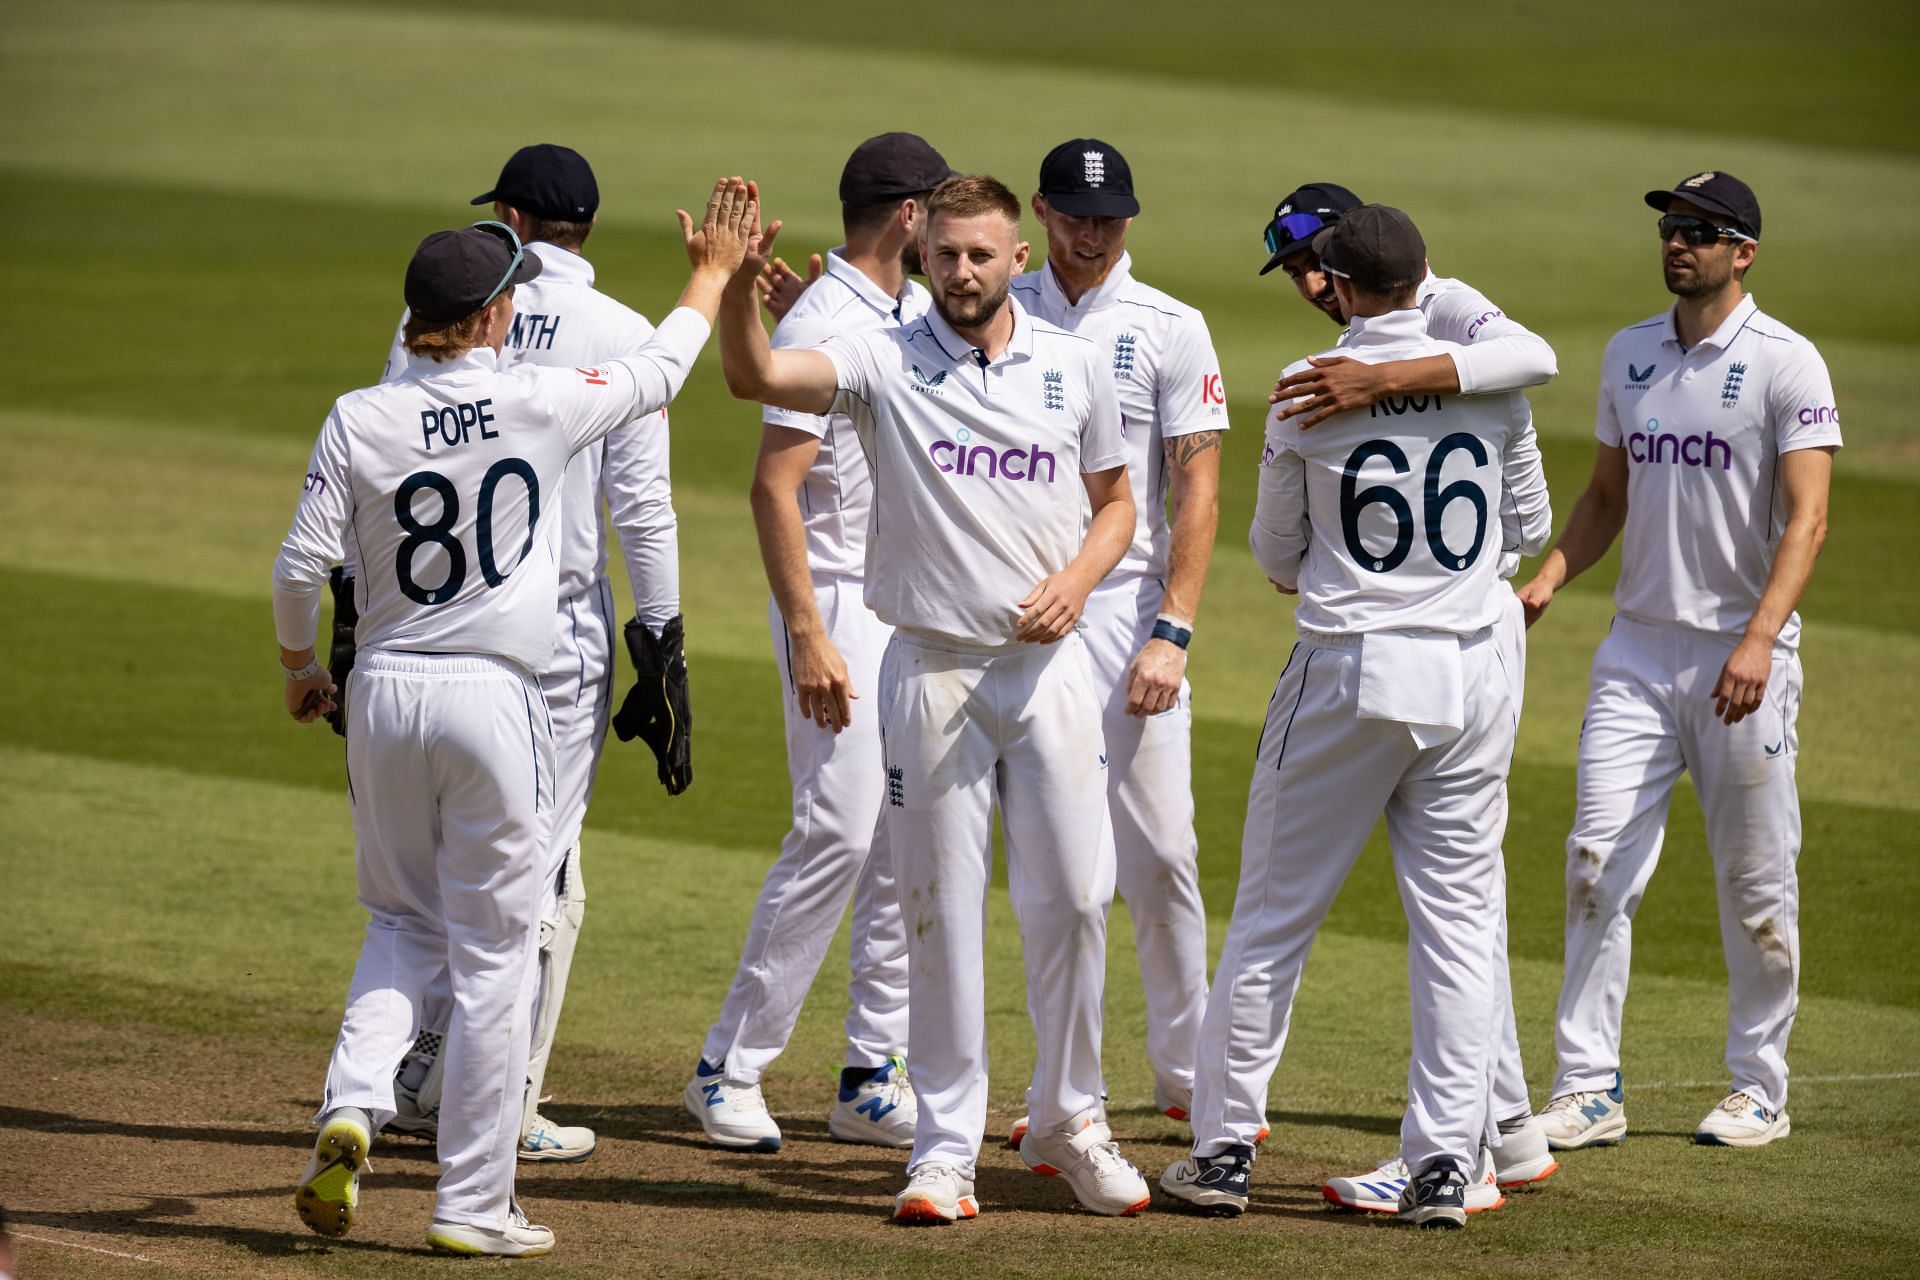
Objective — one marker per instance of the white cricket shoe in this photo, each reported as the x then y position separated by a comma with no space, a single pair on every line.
1589,1118
1380,1190
1523,1156
1083,1152
329,1191
936,1194
1740,1121
549,1143
880,1111
733,1113
1175,1104
518,1239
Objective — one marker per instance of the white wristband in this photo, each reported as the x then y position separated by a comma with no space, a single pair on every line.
311,669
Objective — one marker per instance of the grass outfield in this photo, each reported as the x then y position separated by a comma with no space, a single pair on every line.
210,206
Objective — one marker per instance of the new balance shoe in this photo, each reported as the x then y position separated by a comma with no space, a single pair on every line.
936,1194
1214,1185
1523,1156
877,1109
1083,1152
1380,1190
1589,1118
1740,1121
329,1191
518,1239
1437,1196
549,1143
732,1112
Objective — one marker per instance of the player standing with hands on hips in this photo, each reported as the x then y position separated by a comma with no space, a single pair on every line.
977,422
1396,699
1717,429
445,481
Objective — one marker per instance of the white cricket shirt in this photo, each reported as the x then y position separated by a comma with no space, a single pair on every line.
1166,378
1387,518
446,481
976,466
560,319
1704,430
836,498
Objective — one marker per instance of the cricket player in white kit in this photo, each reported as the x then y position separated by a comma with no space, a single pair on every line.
812,501
1717,428
549,196
1139,620
444,481
976,422
1491,353
1397,698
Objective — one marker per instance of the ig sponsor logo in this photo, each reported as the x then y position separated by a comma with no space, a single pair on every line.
1211,392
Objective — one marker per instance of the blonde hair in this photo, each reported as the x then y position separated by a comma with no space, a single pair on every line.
448,340
971,195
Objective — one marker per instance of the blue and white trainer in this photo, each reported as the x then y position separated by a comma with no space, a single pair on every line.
1589,1118
733,1112
1437,1196
1379,1190
548,1143
1214,1185
879,1110
1740,1121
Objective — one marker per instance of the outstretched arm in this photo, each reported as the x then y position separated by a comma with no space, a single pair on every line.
804,381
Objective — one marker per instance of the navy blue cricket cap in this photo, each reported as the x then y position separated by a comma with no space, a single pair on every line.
1087,178
1303,213
1716,192
891,166
455,273
1377,247
547,181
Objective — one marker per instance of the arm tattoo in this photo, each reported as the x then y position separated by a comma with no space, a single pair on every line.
1182,450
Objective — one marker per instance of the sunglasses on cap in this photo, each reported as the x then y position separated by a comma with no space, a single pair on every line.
1293,229
506,233
1698,231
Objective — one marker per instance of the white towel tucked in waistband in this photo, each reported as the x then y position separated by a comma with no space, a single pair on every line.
1415,678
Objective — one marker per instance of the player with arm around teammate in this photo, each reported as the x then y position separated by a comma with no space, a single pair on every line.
437,480
1717,428
1141,617
550,198
1397,699
1491,353
812,499
984,428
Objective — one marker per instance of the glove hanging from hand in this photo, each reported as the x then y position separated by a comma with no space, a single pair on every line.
656,709
340,656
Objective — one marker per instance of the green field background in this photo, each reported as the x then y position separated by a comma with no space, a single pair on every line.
208,209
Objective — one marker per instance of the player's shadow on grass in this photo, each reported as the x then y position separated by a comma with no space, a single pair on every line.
55,1122
146,1223
1337,1120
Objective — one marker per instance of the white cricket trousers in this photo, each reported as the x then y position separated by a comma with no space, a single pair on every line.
1322,778
450,764
1019,728
1150,803
1510,1100
1650,715
835,849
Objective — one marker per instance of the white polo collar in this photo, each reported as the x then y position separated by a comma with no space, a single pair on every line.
863,286
1105,294
1719,338
476,360
1394,326
561,265
957,348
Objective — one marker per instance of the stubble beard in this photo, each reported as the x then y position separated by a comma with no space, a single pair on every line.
972,317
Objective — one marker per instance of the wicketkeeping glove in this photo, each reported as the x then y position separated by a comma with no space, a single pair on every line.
340,657
656,709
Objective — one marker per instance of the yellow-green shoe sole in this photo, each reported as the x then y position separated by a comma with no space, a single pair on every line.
326,1200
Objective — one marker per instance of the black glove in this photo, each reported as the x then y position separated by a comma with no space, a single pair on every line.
656,710
340,657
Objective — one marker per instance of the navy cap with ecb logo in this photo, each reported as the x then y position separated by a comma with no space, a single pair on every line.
1087,178
547,181
1716,192
892,166
1304,213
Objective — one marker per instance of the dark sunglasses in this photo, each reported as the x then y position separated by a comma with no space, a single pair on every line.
506,233
1697,231
1292,229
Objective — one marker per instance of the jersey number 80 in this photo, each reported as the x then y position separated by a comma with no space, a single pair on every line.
440,532
1435,500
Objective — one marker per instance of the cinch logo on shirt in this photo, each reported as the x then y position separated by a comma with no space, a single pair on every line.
1686,451
1812,416
967,459
1485,316
1639,379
